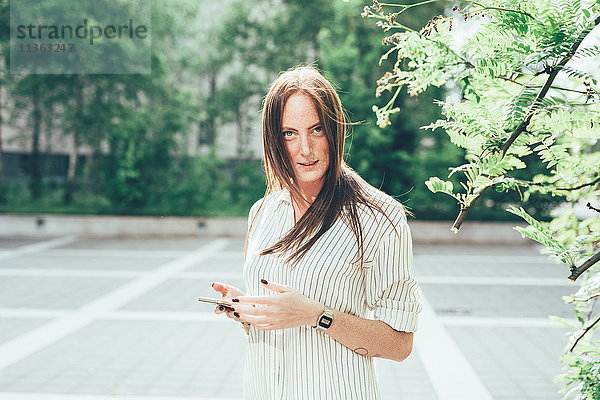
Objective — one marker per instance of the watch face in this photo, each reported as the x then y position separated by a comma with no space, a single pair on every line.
325,321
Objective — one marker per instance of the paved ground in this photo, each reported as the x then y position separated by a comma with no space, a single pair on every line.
85,319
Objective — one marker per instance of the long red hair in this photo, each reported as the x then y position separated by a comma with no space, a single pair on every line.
343,190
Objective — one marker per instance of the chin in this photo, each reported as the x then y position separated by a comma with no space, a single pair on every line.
317,180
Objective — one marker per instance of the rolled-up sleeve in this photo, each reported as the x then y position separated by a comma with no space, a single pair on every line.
391,290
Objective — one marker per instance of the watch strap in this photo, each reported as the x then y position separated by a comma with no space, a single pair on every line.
325,320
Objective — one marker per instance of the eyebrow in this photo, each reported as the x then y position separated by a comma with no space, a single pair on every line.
292,129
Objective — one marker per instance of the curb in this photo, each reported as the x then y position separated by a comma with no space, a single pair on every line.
105,226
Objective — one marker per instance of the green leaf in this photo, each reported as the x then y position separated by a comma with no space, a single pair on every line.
586,13
537,231
481,181
435,184
587,132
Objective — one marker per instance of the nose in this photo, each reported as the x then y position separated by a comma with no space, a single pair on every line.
305,146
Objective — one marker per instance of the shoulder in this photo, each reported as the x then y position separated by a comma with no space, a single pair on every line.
384,203
254,208
373,201
268,203
383,212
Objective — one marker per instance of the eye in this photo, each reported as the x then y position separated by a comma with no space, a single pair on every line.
318,129
288,134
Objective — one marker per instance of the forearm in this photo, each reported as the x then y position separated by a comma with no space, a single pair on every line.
290,309
368,337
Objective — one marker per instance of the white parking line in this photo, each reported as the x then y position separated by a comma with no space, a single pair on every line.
450,373
76,273
112,273
230,255
103,253
32,313
424,279
117,315
22,346
495,280
212,317
211,275
166,316
503,322
483,259
36,247
70,396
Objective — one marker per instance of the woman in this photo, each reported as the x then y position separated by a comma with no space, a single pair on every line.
324,250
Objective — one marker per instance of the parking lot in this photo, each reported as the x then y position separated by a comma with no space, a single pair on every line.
95,319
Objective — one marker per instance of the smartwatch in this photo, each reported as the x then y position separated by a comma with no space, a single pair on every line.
325,320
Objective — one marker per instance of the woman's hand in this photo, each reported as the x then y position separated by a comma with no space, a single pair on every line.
287,308
228,292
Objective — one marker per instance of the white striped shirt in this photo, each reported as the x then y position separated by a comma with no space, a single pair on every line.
303,363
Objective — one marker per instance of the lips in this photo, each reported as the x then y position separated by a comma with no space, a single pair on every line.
308,164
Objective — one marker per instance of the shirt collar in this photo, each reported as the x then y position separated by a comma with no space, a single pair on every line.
284,196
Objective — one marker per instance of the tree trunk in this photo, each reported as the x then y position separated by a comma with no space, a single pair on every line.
239,156
211,128
240,137
207,125
1,166
78,127
1,85
36,173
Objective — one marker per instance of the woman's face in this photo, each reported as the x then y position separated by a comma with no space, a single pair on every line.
305,143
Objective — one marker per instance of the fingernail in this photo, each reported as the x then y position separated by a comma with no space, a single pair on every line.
220,308
213,285
236,314
264,281
235,300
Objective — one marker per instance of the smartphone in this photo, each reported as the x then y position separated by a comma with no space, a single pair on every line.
219,302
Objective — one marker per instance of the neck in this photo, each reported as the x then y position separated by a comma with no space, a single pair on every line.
310,191
308,196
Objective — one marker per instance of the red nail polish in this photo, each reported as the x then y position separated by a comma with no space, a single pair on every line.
236,314
264,281
235,300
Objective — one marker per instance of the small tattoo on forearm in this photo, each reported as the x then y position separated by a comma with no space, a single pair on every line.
362,351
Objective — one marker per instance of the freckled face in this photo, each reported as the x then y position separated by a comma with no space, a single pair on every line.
305,143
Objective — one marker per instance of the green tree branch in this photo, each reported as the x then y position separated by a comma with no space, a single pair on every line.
553,73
